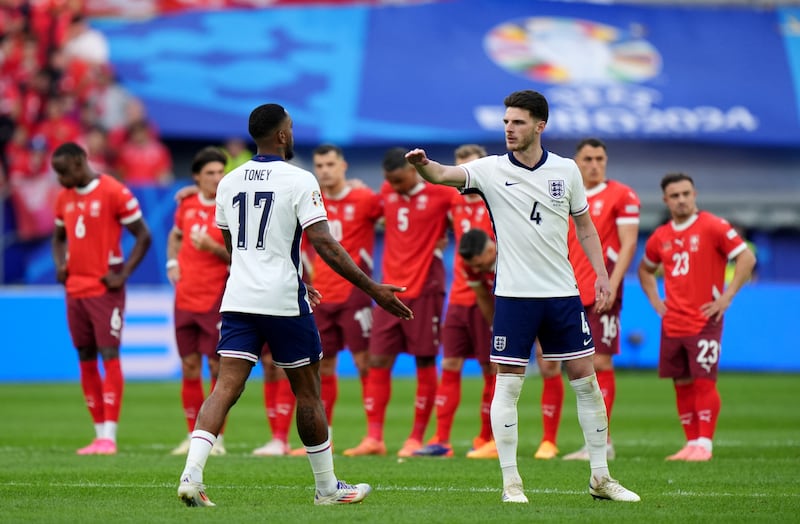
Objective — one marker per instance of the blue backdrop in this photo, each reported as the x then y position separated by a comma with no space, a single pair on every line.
439,72
37,346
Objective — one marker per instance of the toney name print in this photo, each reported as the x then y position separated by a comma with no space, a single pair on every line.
257,174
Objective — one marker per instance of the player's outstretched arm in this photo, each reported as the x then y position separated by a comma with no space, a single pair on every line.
337,258
435,172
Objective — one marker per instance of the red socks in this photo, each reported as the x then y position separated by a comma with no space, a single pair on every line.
192,397
707,406
486,406
423,404
608,386
329,392
685,400
92,386
284,409
552,403
112,390
377,392
448,396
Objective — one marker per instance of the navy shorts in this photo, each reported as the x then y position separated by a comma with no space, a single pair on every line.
559,323
294,341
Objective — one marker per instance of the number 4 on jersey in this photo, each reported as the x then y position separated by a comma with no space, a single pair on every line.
535,215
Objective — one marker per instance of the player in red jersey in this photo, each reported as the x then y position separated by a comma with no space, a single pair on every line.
197,265
90,213
693,249
614,208
344,316
416,221
466,333
279,400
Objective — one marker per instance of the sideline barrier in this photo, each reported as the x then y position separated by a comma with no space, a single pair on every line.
37,346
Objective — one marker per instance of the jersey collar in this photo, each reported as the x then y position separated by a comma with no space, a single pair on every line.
596,189
88,188
517,163
267,158
686,225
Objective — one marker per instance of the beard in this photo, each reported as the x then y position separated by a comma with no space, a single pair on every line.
289,151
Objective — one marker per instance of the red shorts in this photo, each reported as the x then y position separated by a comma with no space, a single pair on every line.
695,356
345,324
466,333
97,321
198,332
605,328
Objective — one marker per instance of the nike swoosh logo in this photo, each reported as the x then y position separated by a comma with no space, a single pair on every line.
510,425
511,183
601,430
587,341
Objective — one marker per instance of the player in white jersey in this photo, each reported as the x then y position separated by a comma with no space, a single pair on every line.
263,207
531,194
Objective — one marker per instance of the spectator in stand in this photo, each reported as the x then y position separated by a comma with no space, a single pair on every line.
416,221
91,211
135,112
693,249
107,99
144,159
95,140
197,265
58,126
32,188
467,332
236,151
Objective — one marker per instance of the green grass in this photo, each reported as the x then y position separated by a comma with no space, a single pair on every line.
754,476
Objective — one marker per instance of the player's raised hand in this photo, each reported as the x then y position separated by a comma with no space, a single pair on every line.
417,157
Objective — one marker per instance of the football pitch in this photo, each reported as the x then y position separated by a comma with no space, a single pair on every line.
754,476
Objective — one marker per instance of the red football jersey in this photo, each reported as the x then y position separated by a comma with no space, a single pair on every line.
474,278
467,212
694,255
203,274
415,223
351,220
610,204
93,217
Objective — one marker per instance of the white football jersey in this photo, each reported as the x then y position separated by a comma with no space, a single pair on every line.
265,204
530,209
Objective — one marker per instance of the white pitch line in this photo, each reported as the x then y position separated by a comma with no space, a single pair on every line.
384,488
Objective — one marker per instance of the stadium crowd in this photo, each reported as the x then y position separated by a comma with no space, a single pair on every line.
57,85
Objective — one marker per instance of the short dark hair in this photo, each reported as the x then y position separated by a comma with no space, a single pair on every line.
324,149
395,158
206,156
671,178
468,150
472,243
70,149
265,119
592,142
533,101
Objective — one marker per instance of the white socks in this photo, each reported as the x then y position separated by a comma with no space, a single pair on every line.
199,449
321,459
504,423
594,422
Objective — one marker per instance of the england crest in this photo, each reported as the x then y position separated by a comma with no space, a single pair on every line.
556,188
499,343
